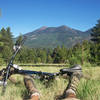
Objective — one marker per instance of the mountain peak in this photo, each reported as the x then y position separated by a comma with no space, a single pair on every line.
43,28
40,29
63,26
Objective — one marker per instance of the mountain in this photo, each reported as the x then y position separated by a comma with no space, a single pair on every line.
50,37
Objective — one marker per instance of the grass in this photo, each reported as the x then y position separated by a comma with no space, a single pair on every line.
88,88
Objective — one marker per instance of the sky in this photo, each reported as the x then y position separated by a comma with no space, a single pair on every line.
24,16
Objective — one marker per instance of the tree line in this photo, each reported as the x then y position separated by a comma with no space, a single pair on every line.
86,51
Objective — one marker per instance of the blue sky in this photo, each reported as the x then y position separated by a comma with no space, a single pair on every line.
27,15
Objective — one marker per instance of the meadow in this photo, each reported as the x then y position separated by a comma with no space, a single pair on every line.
88,89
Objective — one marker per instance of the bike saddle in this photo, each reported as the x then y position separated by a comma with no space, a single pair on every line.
75,68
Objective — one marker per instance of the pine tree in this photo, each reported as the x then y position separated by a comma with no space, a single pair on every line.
10,37
49,59
95,51
6,43
19,39
60,54
1,43
96,33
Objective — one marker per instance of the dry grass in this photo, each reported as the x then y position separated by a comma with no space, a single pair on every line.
87,90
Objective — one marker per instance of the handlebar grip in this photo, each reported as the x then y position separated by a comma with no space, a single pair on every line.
2,82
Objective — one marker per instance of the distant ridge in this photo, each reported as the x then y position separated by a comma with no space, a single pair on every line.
50,37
